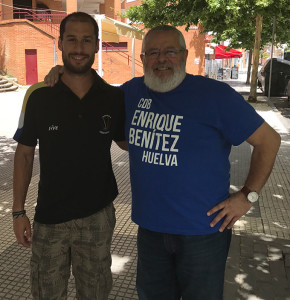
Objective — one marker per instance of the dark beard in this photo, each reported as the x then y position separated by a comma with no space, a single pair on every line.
78,70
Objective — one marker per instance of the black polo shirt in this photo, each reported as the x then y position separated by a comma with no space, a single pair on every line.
75,136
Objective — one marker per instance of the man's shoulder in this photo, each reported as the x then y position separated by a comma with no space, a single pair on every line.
133,82
208,86
36,87
38,90
102,84
207,81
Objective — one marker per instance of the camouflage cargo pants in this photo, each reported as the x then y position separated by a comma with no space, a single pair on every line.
83,244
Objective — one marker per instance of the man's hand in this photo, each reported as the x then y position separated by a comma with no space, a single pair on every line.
231,209
22,230
53,76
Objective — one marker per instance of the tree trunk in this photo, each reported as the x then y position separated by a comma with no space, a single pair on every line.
249,66
253,90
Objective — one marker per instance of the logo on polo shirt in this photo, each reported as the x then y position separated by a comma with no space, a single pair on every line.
106,124
53,128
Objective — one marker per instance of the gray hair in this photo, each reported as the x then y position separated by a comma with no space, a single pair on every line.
164,28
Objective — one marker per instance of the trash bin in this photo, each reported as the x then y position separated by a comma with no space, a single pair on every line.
279,82
235,73
220,74
227,73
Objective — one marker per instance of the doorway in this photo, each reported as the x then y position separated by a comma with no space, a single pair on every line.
31,66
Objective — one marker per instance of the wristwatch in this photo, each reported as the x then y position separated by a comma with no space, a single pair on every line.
252,196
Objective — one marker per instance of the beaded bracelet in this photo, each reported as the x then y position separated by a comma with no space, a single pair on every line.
16,214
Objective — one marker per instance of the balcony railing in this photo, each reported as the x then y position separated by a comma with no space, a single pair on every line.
109,47
49,22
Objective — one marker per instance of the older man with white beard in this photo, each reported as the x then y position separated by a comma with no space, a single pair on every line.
180,129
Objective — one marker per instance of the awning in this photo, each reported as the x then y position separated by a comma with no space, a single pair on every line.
110,30
222,51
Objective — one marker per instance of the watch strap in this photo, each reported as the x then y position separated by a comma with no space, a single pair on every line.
246,191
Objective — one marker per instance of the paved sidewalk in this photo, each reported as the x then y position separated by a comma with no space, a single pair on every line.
259,261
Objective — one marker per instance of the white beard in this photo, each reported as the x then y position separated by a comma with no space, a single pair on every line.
163,85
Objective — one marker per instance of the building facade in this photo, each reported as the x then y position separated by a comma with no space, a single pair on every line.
29,31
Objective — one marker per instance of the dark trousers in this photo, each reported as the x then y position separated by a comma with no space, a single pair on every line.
171,266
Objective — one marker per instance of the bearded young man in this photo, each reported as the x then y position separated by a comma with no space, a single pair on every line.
74,123
180,129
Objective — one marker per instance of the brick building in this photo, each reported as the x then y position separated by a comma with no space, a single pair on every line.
29,35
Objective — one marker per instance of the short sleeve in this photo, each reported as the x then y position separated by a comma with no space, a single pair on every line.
238,119
26,132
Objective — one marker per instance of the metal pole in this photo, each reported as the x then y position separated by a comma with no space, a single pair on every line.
100,67
133,57
271,62
54,53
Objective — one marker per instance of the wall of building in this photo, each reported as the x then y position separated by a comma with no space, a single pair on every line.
194,40
55,5
130,3
6,11
116,67
22,35
112,9
71,6
15,38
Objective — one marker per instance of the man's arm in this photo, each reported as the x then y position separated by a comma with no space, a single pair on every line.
23,165
123,145
266,142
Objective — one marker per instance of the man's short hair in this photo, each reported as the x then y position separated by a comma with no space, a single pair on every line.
163,28
79,17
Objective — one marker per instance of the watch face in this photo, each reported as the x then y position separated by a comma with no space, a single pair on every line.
253,197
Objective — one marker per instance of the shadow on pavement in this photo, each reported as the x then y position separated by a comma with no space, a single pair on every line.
283,105
256,268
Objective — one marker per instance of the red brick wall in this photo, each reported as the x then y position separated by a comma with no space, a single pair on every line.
55,5
196,50
7,12
71,6
108,8
133,3
116,68
19,36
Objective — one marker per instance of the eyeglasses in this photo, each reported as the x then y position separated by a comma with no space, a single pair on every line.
170,53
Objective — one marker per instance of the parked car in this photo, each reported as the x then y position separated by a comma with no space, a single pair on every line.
280,77
287,54
288,88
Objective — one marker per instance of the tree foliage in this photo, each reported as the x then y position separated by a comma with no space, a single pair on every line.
228,19
233,20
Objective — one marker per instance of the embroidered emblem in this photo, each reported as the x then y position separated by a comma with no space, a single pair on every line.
106,124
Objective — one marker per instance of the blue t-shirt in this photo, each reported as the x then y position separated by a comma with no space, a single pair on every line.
179,146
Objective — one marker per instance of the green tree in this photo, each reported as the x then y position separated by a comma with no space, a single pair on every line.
228,19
